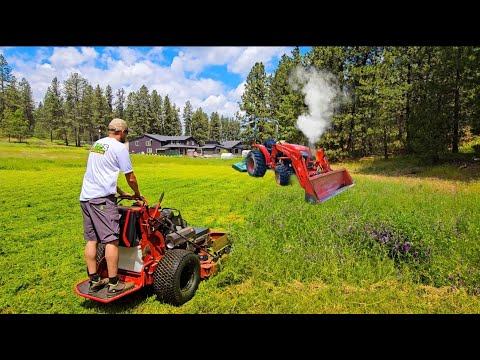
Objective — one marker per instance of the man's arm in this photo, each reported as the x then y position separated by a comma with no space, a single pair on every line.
132,182
122,193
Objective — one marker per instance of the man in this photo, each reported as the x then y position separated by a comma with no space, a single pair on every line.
108,156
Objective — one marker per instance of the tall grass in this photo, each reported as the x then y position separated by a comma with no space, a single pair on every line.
396,242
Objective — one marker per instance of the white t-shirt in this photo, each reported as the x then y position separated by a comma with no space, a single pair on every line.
107,158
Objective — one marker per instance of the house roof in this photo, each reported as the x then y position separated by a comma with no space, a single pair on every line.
179,146
209,146
230,143
168,138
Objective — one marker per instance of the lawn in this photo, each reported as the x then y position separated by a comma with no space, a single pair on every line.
403,240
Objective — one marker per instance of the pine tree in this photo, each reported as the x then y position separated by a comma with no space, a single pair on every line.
429,123
177,122
230,129
28,105
100,113
13,102
74,88
286,103
109,99
215,127
15,124
224,128
120,104
156,106
187,118
145,122
40,130
169,124
131,113
200,126
255,96
53,108
5,81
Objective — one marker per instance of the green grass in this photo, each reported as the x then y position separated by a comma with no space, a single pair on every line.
288,256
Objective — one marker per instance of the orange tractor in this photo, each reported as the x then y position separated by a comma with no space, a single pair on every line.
158,248
311,166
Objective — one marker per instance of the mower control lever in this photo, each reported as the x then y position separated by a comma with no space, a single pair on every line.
158,204
132,197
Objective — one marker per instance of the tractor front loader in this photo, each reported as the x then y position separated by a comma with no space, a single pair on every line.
311,166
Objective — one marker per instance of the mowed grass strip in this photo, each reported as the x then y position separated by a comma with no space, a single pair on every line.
390,244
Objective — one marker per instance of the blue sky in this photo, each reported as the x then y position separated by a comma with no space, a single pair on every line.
210,77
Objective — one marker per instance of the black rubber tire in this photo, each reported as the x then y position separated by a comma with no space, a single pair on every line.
176,277
282,175
100,252
255,163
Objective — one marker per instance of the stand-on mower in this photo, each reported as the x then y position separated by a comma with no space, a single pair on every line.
157,247
311,166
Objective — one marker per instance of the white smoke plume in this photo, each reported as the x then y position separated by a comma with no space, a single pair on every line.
321,96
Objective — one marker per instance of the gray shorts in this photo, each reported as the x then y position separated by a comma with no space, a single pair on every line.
101,219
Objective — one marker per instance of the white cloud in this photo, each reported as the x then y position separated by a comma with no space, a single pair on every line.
130,68
196,58
65,57
239,60
243,64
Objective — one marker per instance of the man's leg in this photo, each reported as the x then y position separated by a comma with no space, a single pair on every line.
91,240
115,285
106,218
91,256
111,254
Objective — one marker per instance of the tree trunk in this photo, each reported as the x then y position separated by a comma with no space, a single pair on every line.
352,125
385,143
408,111
456,108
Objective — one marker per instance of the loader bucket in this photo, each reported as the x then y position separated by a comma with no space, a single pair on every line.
322,187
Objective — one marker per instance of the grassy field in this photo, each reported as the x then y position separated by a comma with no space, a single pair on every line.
404,239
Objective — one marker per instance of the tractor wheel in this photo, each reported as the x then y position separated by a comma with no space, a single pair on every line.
100,252
282,175
256,163
177,276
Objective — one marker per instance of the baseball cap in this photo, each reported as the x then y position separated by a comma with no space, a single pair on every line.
117,125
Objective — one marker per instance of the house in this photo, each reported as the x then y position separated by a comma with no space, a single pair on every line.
234,146
162,144
211,148
214,147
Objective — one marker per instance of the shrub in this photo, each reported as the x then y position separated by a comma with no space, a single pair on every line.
476,149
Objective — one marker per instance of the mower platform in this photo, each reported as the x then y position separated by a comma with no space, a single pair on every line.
101,295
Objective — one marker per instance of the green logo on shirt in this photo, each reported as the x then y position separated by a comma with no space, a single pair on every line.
99,148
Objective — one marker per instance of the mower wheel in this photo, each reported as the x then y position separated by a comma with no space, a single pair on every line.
255,163
177,276
282,175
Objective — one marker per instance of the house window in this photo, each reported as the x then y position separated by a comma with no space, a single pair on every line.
136,143
149,150
148,143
